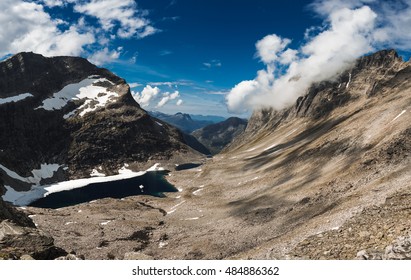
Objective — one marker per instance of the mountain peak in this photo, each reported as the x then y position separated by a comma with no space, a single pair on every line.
383,58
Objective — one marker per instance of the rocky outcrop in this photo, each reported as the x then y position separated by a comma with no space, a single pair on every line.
17,241
10,213
400,249
216,136
20,239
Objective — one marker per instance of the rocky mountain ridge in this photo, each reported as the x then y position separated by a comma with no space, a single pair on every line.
216,136
182,121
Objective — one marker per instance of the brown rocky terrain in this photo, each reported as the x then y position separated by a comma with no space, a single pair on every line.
327,178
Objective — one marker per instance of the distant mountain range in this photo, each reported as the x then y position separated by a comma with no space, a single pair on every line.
206,134
185,122
216,136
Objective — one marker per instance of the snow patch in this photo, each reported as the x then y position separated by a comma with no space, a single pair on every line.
349,81
162,244
94,96
272,146
125,170
160,124
399,115
197,191
192,219
105,223
96,173
155,167
174,208
16,98
45,171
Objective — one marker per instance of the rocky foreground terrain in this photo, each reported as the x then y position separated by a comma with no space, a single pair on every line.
328,178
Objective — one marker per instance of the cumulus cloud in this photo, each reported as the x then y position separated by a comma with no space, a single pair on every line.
27,26
269,47
120,14
352,28
104,56
167,97
146,95
153,95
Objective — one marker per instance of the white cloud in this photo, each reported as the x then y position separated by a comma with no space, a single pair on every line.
104,56
167,97
152,94
134,85
213,63
172,84
53,3
351,29
217,92
27,27
120,14
269,47
146,95
165,52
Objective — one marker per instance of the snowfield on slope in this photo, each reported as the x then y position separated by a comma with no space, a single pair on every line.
94,96
16,98
39,191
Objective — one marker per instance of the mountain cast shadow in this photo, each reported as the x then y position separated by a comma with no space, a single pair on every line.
303,139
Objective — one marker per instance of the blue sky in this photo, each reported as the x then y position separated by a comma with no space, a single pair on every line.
210,56
208,46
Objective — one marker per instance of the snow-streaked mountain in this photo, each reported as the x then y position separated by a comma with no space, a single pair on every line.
63,118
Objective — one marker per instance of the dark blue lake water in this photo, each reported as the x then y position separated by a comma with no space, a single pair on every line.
187,166
153,182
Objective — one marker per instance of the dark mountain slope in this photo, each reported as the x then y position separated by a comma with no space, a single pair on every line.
216,136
